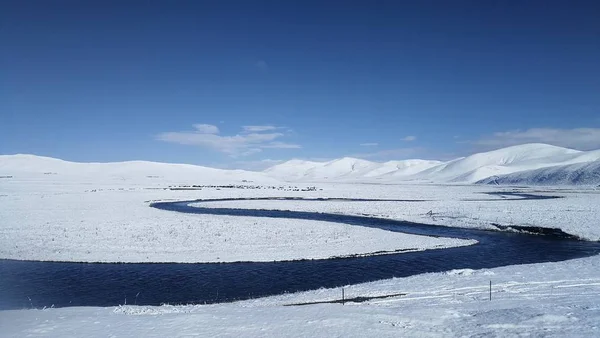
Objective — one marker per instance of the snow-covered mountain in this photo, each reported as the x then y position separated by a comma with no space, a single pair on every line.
467,169
345,169
504,161
533,163
587,173
402,168
32,166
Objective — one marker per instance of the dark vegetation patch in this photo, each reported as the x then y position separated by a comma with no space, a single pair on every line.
533,230
241,186
348,300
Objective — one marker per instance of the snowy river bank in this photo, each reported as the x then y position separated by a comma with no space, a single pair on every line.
46,284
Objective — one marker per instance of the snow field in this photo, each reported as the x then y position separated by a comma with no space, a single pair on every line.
70,221
577,213
107,218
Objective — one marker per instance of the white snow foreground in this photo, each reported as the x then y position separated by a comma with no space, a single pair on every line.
61,218
100,217
469,169
551,299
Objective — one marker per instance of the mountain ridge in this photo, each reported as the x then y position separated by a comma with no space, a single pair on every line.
476,168
468,169
584,173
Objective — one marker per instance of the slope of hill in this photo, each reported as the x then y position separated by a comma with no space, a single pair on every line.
291,170
346,169
565,166
342,168
467,169
501,161
571,174
402,168
35,166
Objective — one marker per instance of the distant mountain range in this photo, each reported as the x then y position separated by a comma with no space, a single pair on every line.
498,164
527,164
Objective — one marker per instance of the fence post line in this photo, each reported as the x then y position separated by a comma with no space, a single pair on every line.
490,291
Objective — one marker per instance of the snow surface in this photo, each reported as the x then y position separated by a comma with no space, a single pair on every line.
467,170
68,220
551,299
468,206
83,212
100,212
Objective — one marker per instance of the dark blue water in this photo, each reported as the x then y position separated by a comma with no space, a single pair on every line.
38,284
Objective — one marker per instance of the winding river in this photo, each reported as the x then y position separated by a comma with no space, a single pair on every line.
27,284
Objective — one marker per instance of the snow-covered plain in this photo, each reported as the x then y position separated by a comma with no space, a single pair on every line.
112,222
51,220
467,206
104,215
58,210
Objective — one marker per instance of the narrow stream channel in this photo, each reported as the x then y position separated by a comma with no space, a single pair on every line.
27,284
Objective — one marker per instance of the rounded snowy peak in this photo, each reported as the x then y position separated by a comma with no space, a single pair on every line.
294,163
349,161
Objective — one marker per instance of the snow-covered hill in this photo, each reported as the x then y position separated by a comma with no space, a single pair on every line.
503,161
587,173
565,166
467,169
402,168
33,166
346,169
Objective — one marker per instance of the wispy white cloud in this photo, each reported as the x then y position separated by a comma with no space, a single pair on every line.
578,138
369,144
281,145
254,129
409,138
249,141
206,128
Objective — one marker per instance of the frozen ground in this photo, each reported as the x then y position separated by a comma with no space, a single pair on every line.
553,299
577,213
54,217
69,220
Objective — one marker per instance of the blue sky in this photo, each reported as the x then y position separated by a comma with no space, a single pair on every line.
244,83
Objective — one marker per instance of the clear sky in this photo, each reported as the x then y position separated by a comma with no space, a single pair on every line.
243,83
